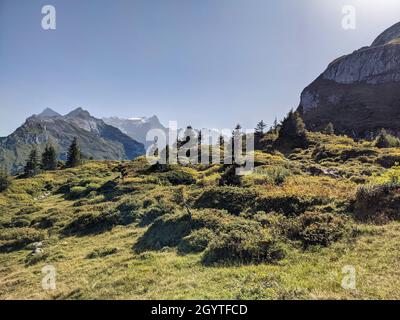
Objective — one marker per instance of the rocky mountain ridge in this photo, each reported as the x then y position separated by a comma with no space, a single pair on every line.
98,140
360,92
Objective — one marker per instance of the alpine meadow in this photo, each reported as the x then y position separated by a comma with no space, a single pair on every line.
298,200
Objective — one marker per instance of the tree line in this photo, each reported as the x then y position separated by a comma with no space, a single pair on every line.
48,160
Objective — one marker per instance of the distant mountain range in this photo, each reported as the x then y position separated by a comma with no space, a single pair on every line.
360,92
136,128
98,140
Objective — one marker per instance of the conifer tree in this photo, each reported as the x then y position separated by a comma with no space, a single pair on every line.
259,133
260,127
293,131
292,126
49,158
236,135
275,126
74,157
32,166
5,181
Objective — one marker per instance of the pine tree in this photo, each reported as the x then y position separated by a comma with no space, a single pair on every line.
260,127
236,135
32,166
292,126
275,125
74,154
49,158
5,181
329,129
259,133
293,131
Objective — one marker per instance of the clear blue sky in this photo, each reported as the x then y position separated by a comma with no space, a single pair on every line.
210,63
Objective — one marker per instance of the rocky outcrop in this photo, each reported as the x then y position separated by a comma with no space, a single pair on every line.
360,92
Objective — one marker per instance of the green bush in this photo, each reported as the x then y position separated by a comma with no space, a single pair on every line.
242,246
391,177
177,178
152,213
77,192
197,241
322,152
92,223
388,161
275,175
166,231
19,222
101,253
289,205
233,199
28,210
230,177
228,239
45,222
378,203
17,238
315,228
385,140
130,205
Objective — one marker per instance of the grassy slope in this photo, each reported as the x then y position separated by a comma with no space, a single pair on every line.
164,274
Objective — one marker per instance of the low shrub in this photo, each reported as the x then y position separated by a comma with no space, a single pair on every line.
130,205
242,246
28,210
385,140
177,178
289,205
92,223
315,228
101,253
17,238
19,222
196,232
197,241
77,192
166,231
276,175
45,222
391,177
229,177
152,213
388,160
233,199
378,203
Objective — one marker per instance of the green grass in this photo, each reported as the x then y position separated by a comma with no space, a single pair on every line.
168,275
91,223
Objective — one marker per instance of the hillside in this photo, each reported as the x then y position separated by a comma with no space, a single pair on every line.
99,140
359,92
284,232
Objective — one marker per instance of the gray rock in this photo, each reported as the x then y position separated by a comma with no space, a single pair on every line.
360,92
